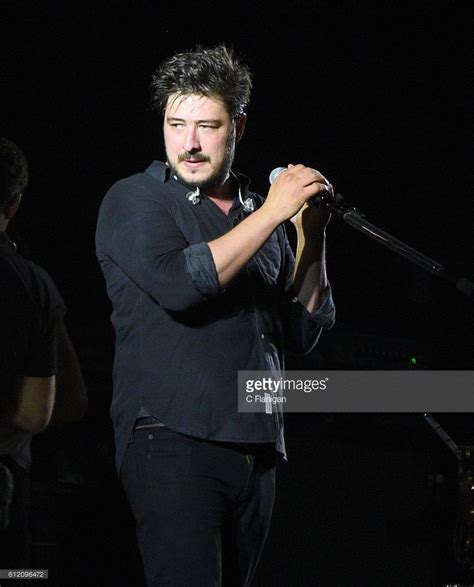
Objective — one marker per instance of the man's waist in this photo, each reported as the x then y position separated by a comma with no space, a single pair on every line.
256,448
147,422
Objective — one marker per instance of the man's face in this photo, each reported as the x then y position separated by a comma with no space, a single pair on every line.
199,139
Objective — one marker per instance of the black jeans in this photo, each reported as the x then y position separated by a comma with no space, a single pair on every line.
202,509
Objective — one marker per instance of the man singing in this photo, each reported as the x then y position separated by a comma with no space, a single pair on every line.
204,283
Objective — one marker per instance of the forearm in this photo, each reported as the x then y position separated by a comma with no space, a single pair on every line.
35,403
232,251
310,278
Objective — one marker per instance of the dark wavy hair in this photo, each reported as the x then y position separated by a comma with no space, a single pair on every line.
13,172
214,72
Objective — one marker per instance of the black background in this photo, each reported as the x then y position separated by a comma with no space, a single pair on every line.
377,96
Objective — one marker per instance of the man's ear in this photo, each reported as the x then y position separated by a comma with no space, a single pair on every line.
240,127
12,208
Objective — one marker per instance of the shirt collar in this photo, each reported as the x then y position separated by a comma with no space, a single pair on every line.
159,171
162,173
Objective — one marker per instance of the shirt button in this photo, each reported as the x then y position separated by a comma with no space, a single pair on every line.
294,299
150,437
262,335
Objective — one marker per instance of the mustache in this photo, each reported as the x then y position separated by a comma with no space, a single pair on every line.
187,156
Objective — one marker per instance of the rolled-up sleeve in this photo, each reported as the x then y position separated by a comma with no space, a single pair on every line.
325,315
302,329
202,269
137,233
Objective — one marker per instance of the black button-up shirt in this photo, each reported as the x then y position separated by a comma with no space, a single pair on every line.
180,337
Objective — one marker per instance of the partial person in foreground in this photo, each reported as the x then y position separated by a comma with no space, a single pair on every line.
41,381
204,283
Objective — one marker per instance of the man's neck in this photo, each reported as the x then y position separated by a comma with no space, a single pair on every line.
226,191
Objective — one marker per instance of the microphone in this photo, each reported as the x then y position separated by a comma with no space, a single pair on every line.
325,199
276,172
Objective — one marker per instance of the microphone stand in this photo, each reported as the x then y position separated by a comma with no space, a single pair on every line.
464,527
356,219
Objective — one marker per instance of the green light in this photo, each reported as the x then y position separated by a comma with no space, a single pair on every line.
413,361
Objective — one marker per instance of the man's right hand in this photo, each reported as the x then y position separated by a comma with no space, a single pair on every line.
291,190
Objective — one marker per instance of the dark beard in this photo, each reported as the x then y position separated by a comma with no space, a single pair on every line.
220,175
216,179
